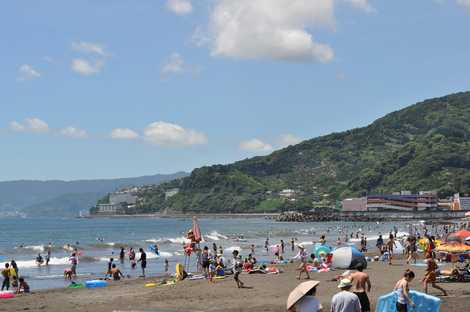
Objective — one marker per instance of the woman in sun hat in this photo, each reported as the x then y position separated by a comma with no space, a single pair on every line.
302,298
303,256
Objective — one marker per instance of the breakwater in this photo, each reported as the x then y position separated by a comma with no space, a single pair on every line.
364,216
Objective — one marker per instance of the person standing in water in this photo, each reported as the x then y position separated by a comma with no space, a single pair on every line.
266,245
166,265
49,252
122,254
143,260
292,244
362,286
282,247
402,291
132,258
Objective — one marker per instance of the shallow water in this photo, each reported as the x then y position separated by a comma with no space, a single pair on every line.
35,234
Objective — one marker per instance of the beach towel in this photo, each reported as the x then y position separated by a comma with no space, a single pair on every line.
424,303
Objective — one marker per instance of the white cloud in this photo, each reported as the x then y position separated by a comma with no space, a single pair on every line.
278,30
73,132
361,4
89,47
27,72
255,145
124,134
179,7
289,139
168,134
85,67
464,3
34,125
16,126
174,65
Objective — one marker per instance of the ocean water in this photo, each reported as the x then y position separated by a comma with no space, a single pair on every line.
22,240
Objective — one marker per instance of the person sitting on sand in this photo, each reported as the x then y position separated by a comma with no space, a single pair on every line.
362,286
247,266
116,273
23,287
402,291
302,255
345,300
430,276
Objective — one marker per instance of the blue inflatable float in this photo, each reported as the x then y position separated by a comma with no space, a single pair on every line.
152,248
95,284
423,302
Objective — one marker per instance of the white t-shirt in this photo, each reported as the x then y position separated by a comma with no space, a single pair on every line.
308,304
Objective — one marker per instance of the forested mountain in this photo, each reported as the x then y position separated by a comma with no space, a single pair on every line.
425,146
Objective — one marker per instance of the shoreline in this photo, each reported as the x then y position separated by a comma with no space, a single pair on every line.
269,293
189,216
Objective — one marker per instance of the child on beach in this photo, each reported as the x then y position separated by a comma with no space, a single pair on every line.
390,244
402,291
23,287
116,273
237,269
303,256
430,276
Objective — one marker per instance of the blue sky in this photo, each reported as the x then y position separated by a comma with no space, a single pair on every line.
116,88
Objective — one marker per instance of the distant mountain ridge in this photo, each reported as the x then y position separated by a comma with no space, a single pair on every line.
425,146
65,198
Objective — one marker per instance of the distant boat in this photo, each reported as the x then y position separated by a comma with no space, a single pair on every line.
82,215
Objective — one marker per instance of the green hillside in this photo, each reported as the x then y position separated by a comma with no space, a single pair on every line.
423,147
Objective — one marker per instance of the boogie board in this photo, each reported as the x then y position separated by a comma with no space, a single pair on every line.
424,302
152,248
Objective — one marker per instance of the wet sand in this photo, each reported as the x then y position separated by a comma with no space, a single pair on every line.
268,293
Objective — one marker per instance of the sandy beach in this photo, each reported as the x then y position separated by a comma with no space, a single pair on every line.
268,293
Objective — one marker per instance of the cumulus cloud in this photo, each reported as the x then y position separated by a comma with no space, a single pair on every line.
124,134
74,133
179,7
361,4
34,125
27,72
255,145
168,134
289,139
174,65
85,67
278,30
464,3
89,47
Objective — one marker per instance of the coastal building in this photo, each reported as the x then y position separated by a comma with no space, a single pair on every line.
119,203
171,192
424,201
355,204
287,193
461,202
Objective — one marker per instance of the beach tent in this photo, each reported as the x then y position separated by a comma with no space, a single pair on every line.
348,258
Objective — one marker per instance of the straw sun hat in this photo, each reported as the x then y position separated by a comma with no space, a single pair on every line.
299,292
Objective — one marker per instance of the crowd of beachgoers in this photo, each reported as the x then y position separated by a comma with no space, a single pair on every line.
211,262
